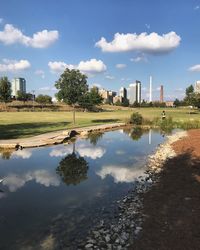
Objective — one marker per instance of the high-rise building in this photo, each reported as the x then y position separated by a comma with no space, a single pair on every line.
135,92
197,87
18,84
161,94
123,92
150,89
138,91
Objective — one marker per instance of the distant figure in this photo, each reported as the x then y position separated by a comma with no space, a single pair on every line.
163,115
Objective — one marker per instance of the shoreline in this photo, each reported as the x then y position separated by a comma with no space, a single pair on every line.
57,137
122,231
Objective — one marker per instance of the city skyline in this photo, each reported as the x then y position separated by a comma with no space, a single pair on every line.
104,40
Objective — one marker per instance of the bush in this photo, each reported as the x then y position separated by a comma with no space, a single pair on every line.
136,118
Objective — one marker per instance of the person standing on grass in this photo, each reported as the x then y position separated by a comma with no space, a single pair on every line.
163,115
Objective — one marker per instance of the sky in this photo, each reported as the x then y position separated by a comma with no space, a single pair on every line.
113,42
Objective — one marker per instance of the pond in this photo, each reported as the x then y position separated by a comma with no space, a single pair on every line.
52,196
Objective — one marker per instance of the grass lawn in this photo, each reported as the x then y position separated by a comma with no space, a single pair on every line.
25,124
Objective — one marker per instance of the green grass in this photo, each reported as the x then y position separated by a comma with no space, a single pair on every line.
25,124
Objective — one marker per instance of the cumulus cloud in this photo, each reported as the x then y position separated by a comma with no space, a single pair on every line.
121,173
196,7
152,43
195,68
43,177
59,67
120,66
91,152
14,65
91,66
40,72
42,39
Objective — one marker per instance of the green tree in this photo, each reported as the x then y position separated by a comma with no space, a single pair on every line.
21,96
5,89
43,99
125,102
71,85
189,90
177,103
90,99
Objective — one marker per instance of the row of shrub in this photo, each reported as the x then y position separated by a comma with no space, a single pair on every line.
165,124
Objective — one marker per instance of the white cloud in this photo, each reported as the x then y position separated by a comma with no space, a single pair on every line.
195,68
120,152
44,177
152,43
110,77
120,66
140,58
91,66
58,152
14,66
40,72
121,173
24,154
196,7
90,151
1,20
42,39
59,67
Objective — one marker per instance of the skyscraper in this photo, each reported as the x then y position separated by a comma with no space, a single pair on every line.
123,92
135,92
197,87
161,94
18,84
150,89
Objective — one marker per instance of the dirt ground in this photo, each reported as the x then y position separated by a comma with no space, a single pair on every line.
172,206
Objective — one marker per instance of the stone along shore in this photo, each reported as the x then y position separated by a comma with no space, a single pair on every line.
122,230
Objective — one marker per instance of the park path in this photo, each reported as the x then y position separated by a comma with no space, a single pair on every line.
55,137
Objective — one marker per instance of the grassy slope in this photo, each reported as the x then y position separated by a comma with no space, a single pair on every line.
24,124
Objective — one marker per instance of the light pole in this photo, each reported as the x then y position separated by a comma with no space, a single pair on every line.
33,91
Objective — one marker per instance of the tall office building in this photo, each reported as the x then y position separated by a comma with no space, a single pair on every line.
18,84
138,91
197,87
135,92
123,93
161,94
150,89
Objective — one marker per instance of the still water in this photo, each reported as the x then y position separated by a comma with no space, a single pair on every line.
52,196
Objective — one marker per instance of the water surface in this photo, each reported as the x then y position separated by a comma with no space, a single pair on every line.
52,196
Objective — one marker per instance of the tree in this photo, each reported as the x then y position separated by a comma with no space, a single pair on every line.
125,102
189,90
5,89
91,99
21,96
177,103
72,85
43,99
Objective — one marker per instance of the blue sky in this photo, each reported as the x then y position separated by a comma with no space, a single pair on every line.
114,42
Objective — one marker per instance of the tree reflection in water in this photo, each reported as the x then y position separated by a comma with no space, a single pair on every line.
94,137
72,169
6,154
134,133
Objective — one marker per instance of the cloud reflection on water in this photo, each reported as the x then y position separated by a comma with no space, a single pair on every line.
121,173
43,177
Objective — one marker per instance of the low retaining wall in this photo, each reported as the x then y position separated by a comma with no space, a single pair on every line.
55,137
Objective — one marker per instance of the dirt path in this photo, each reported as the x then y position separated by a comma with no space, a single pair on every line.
172,206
